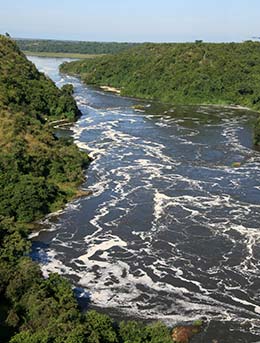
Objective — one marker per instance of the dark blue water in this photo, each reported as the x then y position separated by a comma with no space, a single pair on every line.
172,229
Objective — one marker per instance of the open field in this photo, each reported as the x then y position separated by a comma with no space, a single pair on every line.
61,54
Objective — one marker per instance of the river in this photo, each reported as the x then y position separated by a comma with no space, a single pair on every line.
172,229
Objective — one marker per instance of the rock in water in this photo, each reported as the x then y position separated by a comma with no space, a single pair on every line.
182,334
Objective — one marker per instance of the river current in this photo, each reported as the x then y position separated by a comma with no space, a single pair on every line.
172,229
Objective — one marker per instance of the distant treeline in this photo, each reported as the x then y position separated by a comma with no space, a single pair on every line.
181,73
80,47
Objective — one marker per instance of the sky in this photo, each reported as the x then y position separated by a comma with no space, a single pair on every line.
133,21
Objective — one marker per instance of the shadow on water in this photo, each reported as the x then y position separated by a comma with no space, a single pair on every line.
39,252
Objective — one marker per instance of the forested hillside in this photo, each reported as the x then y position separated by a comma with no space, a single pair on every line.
39,173
79,47
185,73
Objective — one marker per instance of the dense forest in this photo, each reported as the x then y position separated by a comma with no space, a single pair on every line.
39,173
181,73
79,47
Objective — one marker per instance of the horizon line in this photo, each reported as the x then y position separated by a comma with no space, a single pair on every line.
253,39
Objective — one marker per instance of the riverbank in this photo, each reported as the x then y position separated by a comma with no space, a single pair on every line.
223,105
110,89
181,73
39,174
218,104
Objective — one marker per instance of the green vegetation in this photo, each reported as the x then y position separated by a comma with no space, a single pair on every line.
75,47
187,73
24,89
257,132
40,172
61,54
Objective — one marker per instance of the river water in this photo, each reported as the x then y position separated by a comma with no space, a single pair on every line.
172,229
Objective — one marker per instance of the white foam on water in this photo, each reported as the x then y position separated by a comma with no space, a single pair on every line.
106,245
54,265
151,212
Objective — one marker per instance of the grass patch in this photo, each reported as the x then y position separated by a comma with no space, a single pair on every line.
61,54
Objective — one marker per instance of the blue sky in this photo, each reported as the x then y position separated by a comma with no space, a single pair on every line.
135,20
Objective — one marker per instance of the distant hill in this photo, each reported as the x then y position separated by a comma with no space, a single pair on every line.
75,47
181,73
